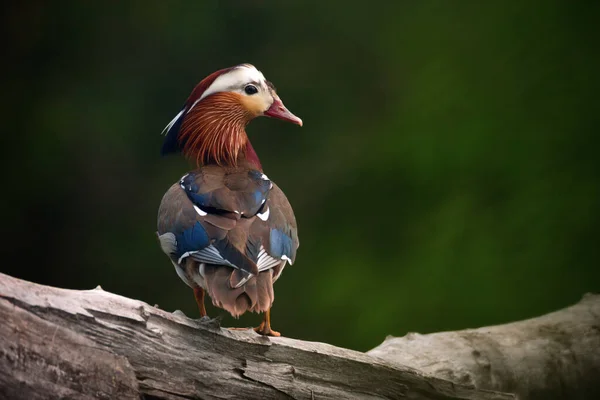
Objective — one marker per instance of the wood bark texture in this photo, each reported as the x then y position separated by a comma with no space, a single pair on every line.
91,344
555,356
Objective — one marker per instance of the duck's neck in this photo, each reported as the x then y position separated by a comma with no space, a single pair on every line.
214,132
251,158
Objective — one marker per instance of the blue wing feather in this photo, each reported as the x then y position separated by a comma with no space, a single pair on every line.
281,244
192,239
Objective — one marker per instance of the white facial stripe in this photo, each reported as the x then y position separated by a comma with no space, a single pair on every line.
234,79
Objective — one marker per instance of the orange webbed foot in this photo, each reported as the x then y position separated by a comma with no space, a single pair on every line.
266,332
265,329
259,329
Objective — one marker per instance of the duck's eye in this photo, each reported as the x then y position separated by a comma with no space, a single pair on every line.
250,89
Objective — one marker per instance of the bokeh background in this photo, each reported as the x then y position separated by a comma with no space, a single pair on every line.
446,177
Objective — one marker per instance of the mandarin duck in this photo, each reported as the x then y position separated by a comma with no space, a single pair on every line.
226,227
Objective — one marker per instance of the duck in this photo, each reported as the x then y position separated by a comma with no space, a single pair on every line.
226,227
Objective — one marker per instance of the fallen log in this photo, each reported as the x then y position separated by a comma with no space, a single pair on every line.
60,343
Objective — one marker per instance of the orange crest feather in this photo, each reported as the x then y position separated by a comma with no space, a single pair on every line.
214,130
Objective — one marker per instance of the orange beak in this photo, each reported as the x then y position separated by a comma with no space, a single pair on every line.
279,111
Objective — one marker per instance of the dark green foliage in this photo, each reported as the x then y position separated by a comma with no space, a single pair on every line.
447,175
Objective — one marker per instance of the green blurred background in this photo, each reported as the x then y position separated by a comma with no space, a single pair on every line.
446,177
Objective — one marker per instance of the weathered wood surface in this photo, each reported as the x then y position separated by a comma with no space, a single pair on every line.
58,343
555,356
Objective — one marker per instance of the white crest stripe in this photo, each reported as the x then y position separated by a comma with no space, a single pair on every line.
173,121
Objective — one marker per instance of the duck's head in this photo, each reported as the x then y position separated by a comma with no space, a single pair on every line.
210,127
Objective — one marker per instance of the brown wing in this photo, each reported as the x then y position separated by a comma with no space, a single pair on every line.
271,242
238,226
274,231
200,213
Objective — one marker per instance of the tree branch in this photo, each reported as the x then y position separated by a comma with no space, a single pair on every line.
58,343
555,356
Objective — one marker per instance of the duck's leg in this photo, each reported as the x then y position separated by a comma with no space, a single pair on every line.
199,296
265,327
